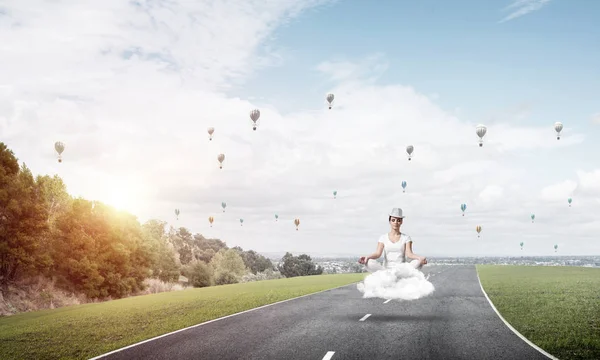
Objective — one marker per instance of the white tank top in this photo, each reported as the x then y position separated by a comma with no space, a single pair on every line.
394,253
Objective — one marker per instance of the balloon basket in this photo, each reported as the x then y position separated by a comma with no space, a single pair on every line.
59,160
254,128
480,144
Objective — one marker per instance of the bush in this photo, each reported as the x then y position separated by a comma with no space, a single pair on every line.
268,274
199,274
34,294
155,286
225,277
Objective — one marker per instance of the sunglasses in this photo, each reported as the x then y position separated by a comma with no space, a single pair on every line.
395,220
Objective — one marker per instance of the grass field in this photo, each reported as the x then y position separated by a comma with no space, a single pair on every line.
556,308
84,331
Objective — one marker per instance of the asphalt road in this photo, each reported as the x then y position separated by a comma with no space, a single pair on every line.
455,322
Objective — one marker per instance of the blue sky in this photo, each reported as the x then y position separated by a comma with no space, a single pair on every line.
546,60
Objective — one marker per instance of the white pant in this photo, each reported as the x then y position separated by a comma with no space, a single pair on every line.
373,265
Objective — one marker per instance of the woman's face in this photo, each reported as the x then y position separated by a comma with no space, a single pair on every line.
395,222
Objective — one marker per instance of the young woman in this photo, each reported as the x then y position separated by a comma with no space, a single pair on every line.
395,246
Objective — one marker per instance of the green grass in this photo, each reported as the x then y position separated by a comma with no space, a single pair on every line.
556,308
84,331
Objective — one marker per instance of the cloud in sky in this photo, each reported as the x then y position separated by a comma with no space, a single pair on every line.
523,7
131,90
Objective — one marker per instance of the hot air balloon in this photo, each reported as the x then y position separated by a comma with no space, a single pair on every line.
570,200
481,130
177,213
276,217
409,151
403,186
211,130
254,116
334,194
558,126
210,220
241,222
521,245
297,222
221,158
59,147
555,247
478,229
330,98
223,205
532,217
463,207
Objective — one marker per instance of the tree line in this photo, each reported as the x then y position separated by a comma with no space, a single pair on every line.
90,248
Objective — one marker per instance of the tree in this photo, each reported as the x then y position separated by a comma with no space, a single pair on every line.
301,265
102,252
183,242
22,219
56,200
55,195
165,263
228,267
254,261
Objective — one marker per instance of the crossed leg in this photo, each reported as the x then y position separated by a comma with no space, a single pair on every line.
373,265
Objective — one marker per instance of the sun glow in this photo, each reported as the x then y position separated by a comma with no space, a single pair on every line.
121,194
122,199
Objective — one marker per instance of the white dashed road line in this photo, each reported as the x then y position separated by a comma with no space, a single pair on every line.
365,317
387,301
328,355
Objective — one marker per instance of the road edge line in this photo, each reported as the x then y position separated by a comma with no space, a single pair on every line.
210,321
542,351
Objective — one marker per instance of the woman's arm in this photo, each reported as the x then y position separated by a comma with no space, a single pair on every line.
377,253
410,254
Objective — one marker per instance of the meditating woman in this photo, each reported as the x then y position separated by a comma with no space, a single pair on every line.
395,246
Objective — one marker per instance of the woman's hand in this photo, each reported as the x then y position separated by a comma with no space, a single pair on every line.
362,260
423,260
